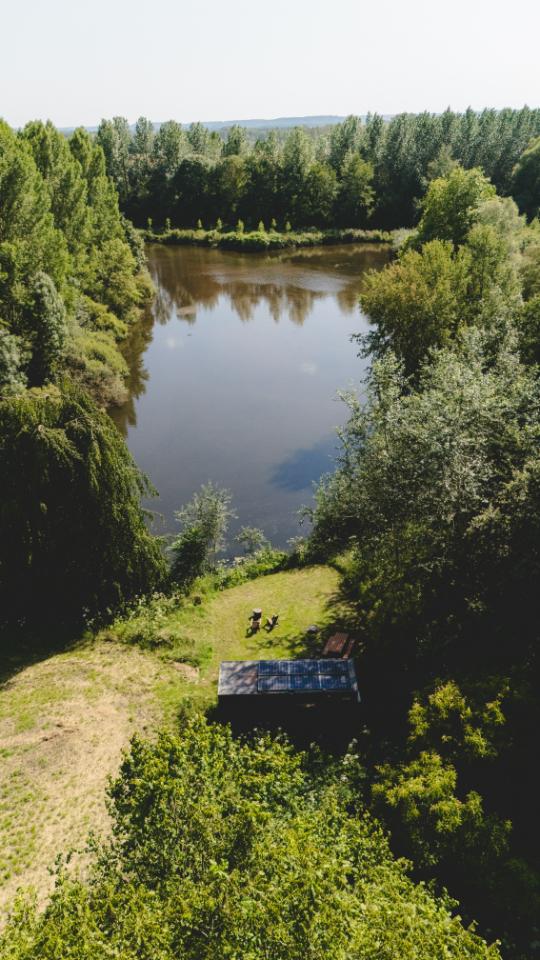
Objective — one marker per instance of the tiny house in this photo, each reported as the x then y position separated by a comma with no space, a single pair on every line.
287,682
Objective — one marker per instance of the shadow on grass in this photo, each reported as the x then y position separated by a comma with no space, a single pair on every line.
20,648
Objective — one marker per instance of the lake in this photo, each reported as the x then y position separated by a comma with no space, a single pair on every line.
234,375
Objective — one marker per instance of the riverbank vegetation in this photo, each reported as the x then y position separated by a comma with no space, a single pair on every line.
72,282
261,240
436,498
359,173
72,269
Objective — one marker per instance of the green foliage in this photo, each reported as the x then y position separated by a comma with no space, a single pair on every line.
450,207
526,180
528,327
437,499
205,520
74,539
428,297
190,556
356,194
273,240
457,723
47,331
223,848
251,539
69,263
12,362
438,824
339,175
264,561
424,466
416,303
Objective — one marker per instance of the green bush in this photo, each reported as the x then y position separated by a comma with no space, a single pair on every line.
224,848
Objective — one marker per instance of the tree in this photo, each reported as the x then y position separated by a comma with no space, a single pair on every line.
450,207
205,520
318,195
526,180
29,240
228,184
416,303
74,540
113,137
170,146
297,159
251,539
422,472
236,142
64,181
199,138
345,139
356,195
12,363
47,331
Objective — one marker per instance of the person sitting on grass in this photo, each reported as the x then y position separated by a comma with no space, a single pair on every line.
271,622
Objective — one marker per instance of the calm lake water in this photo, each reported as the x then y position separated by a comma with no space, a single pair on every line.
235,372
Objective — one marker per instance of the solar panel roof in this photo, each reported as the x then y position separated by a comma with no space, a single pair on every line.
288,676
252,677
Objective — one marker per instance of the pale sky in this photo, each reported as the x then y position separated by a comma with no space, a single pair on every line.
75,62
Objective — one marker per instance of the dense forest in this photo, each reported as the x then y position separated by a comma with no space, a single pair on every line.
72,283
222,847
436,501
354,174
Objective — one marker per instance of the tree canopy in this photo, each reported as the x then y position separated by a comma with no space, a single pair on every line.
224,848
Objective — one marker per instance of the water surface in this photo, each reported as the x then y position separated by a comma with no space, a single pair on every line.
235,372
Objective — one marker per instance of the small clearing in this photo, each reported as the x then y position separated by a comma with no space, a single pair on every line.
65,720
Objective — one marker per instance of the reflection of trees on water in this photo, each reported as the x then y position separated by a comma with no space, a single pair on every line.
191,277
134,350
289,284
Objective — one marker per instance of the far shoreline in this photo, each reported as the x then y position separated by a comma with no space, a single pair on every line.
259,241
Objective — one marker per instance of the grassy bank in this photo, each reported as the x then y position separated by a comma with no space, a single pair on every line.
259,240
65,720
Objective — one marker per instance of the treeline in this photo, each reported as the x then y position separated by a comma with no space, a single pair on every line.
73,541
437,500
355,174
72,276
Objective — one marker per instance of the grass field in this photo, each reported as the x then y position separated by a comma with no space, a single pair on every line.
65,719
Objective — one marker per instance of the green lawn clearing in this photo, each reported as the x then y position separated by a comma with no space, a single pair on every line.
65,720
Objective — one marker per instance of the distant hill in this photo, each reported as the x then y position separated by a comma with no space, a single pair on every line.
278,123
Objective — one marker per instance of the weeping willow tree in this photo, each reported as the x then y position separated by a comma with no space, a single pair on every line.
74,541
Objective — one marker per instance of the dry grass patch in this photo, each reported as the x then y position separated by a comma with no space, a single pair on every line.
63,724
65,720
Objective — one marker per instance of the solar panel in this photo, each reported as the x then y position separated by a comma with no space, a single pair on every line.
333,668
302,668
288,676
273,668
306,682
334,683
273,684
